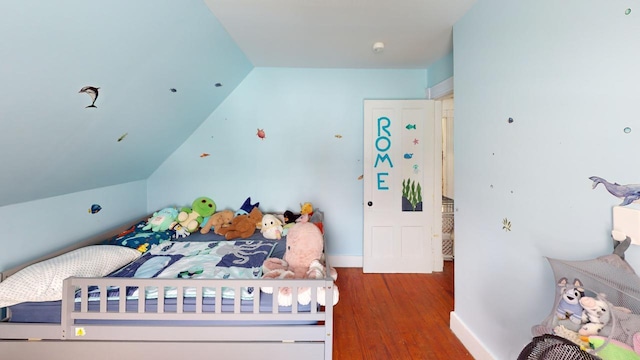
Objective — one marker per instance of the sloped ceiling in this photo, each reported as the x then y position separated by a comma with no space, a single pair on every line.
135,52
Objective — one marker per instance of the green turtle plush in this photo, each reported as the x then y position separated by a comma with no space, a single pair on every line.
191,218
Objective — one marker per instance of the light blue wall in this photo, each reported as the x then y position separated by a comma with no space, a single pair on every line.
39,227
440,71
301,159
135,52
567,73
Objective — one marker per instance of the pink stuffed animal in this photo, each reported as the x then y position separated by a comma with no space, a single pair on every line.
302,260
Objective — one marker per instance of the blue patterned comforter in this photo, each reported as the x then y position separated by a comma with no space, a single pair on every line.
237,259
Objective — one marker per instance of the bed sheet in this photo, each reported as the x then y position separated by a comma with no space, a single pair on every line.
234,259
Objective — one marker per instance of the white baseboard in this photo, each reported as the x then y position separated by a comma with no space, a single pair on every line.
468,339
345,261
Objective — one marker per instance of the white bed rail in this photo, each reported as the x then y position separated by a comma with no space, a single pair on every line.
309,330
70,314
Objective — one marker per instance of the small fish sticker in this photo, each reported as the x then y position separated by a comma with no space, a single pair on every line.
204,155
261,134
122,137
411,126
408,155
416,169
506,225
143,248
95,208
338,136
92,91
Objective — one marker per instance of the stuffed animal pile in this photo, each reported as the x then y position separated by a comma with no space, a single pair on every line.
239,224
303,233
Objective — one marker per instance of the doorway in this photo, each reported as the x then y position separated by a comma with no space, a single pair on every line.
448,195
402,186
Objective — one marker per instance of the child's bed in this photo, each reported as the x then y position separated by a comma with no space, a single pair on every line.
179,315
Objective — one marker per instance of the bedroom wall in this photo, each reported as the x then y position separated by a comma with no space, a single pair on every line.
35,228
440,71
567,74
313,149
134,52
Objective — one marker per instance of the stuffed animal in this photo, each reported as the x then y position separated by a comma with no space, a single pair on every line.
161,220
302,260
306,209
271,227
290,217
191,218
604,314
180,232
572,336
217,221
242,226
613,349
246,207
569,310
596,315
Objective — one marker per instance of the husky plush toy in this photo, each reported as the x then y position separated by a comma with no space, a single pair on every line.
569,310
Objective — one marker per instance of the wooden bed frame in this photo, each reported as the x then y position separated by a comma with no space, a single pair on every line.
313,340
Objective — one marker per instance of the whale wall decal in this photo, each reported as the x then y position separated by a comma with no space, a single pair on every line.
629,193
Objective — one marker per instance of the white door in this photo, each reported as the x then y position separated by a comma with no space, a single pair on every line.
402,186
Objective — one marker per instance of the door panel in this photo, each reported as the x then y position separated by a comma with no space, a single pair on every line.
402,186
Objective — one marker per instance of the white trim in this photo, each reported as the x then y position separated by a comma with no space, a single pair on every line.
440,89
345,261
468,339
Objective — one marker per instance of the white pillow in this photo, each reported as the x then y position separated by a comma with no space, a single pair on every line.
42,281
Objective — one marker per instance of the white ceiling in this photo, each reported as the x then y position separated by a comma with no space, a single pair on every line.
341,33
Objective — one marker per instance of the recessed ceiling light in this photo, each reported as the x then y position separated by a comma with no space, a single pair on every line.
218,84
173,89
378,47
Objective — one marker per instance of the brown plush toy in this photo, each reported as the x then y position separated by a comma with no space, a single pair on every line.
217,221
242,226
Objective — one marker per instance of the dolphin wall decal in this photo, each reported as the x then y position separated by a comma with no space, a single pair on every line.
92,91
629,193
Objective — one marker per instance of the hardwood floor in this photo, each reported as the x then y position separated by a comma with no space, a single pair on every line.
395,316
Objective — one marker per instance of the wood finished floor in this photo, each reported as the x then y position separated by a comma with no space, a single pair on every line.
395,316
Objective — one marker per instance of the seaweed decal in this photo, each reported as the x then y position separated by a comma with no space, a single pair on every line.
411,195
506,224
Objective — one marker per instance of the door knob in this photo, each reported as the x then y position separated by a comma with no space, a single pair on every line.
370,203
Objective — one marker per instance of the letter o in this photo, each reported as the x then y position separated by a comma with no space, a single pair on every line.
378,143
